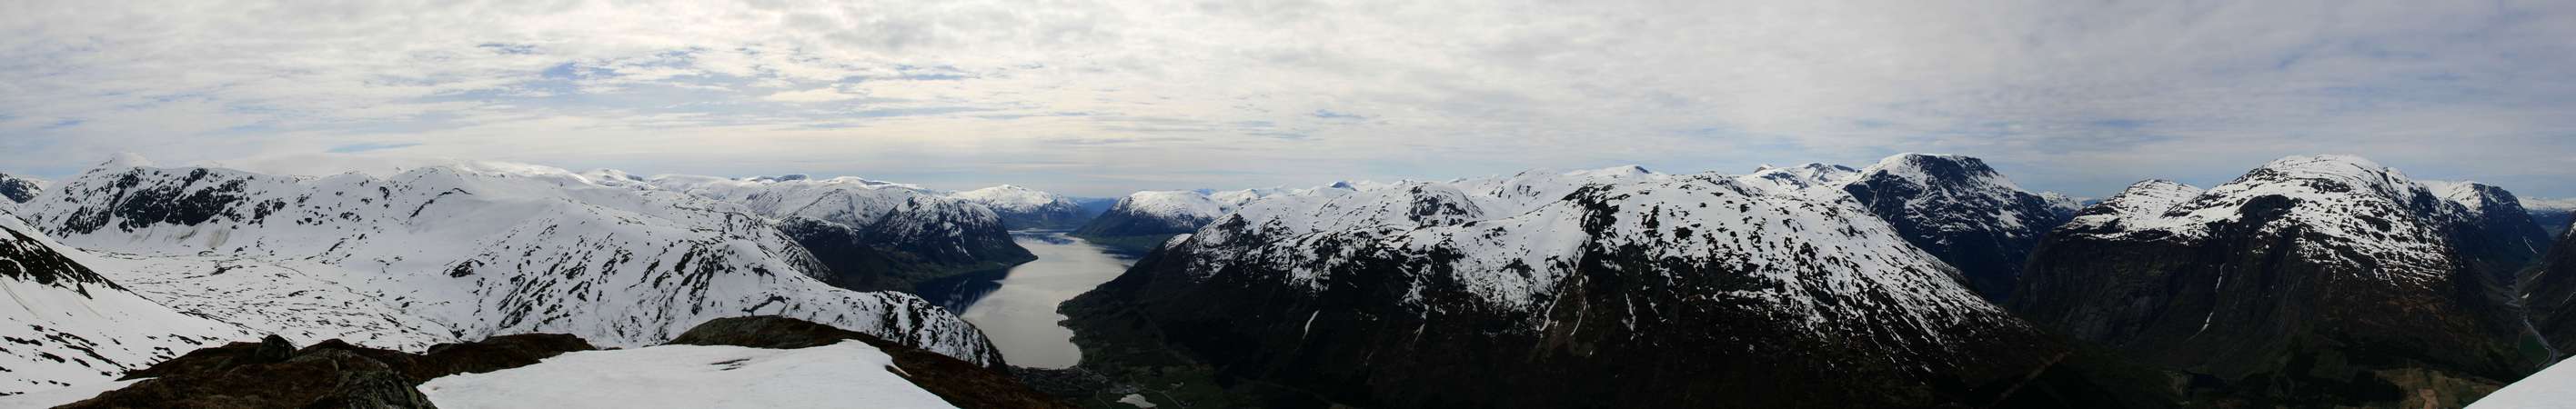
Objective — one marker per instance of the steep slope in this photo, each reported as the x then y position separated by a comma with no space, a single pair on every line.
2550,293
465,251
1022,208
2313,280
73,326
871,235
1961,211
1571,293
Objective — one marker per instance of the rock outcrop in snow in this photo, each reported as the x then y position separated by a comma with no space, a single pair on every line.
463,251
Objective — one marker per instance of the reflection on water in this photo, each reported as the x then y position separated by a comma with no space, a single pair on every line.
1016,308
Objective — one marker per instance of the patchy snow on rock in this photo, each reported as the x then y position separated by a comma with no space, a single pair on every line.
2348,202
849,374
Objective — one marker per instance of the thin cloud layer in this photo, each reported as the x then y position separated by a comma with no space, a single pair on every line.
1103,97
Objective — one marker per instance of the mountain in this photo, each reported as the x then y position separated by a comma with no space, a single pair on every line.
2312,280
20,189
1141,221
2554,215
462,251
2500,232
75,326
870,235
1606,288
1021,208
2550,293
1961,211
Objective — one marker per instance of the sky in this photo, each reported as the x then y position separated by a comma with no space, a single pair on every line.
1099,98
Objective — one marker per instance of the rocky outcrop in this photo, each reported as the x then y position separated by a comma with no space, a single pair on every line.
274,374
1962,211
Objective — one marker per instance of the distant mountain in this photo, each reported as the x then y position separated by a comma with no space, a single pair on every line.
462,251
1023,208
2554,215
2312,280
1141,221
20,189
1572,289
870,235
74,326
1961,211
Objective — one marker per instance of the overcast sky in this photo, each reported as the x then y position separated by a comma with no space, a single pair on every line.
1103,97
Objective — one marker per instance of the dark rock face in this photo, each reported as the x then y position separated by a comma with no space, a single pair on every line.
2554,221
17,189
2312,282
961,383
854,259
1962,212
1643,316
331,374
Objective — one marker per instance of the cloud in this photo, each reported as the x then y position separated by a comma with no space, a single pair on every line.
2076,96
369,146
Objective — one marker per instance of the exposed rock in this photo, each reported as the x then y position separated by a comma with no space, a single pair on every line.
330,374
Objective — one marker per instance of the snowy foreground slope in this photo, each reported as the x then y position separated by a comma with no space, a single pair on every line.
849,374
1570,288
73,326
460,252
2552,388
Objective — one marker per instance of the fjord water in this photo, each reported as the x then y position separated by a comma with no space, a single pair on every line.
1016,309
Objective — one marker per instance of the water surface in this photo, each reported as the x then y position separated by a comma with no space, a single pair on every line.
1016,308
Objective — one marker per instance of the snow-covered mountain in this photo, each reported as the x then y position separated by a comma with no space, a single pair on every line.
463,251
2305,259
870,235
74,326
1961,211
1142,221
2498,232
1024,208
1562,289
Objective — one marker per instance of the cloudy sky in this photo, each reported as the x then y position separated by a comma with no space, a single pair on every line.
1103,97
